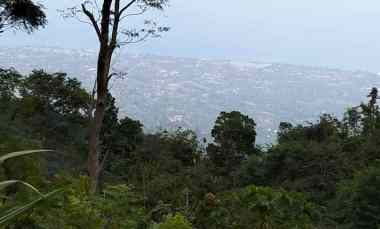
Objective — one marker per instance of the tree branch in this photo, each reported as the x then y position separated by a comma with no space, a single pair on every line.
131,41
92,19
143,10
115,27
126,7
110,76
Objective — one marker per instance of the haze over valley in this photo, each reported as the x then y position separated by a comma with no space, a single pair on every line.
170,92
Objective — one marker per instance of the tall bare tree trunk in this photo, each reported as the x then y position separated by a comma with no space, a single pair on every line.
107,33
95,165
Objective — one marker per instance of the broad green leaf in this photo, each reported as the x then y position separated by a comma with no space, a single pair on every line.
21,153
4,184
10,214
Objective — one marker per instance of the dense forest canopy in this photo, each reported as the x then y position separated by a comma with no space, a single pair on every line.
317,175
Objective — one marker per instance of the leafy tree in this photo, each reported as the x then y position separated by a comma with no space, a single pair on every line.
234,136
9,81
235,130
363,119
184,145
50,109
358,200
253,170
163,167
328,127
212,213
267,208
119,137
110,124
277,209
177,221
352,122
370,114
64,95
130,133
53,105
310,159
21,14
256,207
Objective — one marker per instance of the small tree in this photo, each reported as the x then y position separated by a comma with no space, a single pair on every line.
235,137
107,17
358,201
177,221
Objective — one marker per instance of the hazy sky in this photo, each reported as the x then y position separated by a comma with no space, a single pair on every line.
336,33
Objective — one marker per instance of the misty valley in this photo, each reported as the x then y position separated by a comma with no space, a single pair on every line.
113,138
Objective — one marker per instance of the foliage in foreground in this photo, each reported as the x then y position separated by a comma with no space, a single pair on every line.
9,210
323,174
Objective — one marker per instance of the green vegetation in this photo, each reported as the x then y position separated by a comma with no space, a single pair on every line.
110,174
318,175
22,15
175,222
11,213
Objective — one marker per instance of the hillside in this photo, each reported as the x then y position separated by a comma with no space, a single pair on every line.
169,92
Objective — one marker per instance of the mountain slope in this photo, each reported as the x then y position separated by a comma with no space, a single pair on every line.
168,92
